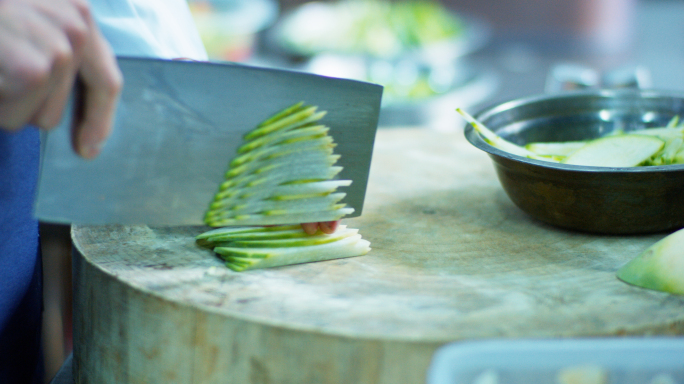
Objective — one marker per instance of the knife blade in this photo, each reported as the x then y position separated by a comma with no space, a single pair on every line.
178,125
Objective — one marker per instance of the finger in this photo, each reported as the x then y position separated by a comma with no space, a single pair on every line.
329,226
50,113
102,82
59,86
310,228
72,17
70,21
26,77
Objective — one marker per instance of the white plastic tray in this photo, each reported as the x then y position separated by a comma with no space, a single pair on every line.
621,360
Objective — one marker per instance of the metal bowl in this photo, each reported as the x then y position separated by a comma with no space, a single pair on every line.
590,199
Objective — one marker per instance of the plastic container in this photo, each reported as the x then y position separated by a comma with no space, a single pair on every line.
586,361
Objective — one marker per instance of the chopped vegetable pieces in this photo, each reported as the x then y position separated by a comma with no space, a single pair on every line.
283,175
245,248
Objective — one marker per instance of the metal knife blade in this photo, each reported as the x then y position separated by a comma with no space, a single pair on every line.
177,126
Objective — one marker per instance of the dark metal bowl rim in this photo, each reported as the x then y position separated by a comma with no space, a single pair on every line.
475,139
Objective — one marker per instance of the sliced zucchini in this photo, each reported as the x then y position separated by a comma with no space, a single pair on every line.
499,142
241,259
246,248
283,174
560,149
228,231
616,151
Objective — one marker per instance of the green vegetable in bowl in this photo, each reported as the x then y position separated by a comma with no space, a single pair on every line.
499,142
616,151
555,150
645,147
660,267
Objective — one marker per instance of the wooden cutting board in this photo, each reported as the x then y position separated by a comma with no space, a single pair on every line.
453,259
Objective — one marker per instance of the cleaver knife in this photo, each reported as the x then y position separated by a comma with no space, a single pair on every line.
177,126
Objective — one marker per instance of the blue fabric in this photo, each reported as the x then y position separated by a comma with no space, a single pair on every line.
20,268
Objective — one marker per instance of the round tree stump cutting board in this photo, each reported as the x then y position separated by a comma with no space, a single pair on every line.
453,259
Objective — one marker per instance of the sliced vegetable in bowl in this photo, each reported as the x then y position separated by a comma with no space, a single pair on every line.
594,199
616,151
499,142
645,147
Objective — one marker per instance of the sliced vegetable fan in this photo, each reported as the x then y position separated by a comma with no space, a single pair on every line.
284,174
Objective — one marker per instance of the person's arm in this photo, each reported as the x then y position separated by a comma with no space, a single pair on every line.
44,45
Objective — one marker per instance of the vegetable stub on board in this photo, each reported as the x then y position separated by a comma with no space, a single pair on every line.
283,174
660,267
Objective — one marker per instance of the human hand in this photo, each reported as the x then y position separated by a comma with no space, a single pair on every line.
44,45
325,227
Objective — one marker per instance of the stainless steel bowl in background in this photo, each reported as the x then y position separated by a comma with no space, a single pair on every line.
601,200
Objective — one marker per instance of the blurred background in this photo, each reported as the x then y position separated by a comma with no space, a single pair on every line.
432,57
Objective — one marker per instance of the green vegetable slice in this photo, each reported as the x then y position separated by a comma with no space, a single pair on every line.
219,233
673,122
301,134
499,142
241,259
292,241
560,149
616,151
315,203
255,233
276,217
279,150
660,267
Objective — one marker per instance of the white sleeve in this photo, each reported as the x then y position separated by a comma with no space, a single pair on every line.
149,28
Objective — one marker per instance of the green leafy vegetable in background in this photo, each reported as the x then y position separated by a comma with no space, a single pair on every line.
372,27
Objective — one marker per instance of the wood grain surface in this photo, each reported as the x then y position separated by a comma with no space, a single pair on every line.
453,259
